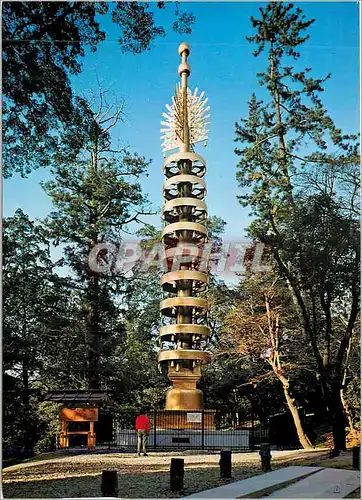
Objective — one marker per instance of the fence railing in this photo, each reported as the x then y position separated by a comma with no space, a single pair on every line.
193,430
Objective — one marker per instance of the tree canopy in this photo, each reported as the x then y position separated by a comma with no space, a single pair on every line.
294,166
43,45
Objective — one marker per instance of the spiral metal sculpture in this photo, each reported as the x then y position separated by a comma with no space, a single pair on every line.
184,216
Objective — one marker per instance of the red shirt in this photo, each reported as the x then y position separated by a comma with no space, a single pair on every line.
142,423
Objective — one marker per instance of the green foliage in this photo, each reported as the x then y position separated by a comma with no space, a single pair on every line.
48,415
36,67
323,246
31,294
43,45
35,302
20,426
95,198
299,175
138,28
293,117
280,26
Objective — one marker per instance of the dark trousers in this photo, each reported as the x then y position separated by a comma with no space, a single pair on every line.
142,438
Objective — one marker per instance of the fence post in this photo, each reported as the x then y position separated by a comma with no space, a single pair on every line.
202,430
109,485
225,464
177,474
154,428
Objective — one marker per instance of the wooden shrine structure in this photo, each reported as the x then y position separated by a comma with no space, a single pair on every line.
78,406
67,415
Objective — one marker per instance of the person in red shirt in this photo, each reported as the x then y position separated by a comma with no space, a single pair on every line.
143,429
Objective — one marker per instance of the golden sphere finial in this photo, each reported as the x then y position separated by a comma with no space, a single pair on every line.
184,68
184,47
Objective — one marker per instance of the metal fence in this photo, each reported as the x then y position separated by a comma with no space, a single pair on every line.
195,430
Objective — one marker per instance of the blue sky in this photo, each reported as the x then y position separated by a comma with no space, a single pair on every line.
222,64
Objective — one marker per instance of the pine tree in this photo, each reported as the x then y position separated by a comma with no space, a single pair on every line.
294,168
96,198
33,299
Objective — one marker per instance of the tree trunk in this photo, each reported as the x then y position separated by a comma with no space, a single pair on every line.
27,426
331,384
283,154
303,438
93,334
25,379
331,380
338,424
347,412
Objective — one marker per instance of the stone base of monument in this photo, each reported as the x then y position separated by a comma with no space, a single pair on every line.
183,419
186,439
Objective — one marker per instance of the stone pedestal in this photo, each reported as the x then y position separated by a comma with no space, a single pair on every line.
183,419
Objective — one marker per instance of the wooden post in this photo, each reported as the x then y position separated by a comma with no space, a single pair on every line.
109,485
202,430
64,437
177,474
265,456
225,464
356,457
91,437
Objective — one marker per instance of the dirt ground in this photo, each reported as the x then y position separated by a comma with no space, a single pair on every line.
60,474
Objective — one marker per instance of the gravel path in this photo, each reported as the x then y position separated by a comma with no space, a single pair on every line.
57,475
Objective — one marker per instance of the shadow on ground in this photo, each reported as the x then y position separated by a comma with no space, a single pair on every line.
62,476
152,484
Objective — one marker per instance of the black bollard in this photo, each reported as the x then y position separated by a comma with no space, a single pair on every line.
177,474
265,456
356,457
109,485
225,464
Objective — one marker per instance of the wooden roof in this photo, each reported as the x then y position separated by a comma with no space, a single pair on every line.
76,396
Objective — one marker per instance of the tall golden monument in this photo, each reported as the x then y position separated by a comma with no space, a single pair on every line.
184,236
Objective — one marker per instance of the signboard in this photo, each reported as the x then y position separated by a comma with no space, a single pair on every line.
78,414
194,417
